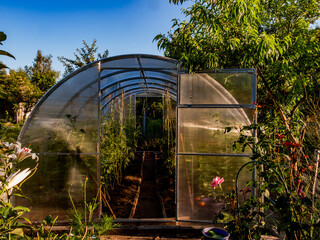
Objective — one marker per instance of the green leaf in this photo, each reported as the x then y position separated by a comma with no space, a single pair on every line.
3,36
6,54
20,208
18,231
2,66
49,219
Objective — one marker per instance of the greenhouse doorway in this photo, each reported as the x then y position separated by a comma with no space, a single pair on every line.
146,150
65,130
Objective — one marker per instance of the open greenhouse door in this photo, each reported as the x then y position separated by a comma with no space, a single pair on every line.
208,103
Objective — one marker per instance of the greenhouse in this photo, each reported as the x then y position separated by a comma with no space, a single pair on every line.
65,130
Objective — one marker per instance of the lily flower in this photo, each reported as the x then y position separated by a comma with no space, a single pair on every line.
23,153
9,145
17,177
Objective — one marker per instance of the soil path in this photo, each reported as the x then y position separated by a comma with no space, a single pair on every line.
148,204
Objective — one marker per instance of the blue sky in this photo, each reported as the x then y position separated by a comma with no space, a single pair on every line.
58,27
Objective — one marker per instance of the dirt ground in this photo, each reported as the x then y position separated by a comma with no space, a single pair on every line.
123,195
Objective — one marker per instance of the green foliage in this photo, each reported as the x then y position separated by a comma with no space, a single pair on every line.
149,117
276,38
45,230
288,181
20,93
21,89
41,73
117,145
11,217
84,225
9,131
3,37
272,36
83,56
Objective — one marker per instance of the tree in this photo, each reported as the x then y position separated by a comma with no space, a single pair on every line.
21,94
22,88
83,56
3,37
272,36
41,73
276,38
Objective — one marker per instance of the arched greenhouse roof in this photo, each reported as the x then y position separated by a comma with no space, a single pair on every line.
77,97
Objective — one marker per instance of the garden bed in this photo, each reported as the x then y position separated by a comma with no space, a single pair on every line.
122,197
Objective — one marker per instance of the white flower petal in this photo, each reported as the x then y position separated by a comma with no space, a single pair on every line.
18,177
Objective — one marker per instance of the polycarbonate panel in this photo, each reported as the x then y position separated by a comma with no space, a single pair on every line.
146,61
216,88
197,200
130,62
202,130
67,119
107,79
163,74
57,179
161,62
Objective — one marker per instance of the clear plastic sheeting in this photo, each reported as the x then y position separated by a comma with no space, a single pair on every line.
65,119
216,88
212,108
197,200
64,126
203,130
58,180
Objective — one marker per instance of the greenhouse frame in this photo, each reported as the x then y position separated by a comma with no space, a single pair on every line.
64,130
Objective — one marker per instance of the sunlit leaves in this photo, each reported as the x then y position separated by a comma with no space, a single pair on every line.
274,36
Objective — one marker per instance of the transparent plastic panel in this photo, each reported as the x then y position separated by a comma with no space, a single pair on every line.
67,121
107,79
113,82
197,200
57,180
158,62
163,74
122,75
216,88
202,130
122,108
128,62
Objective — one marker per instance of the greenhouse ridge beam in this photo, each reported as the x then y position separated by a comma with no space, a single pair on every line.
142,72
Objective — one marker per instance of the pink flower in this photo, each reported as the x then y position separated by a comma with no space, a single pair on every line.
216,182
300,191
